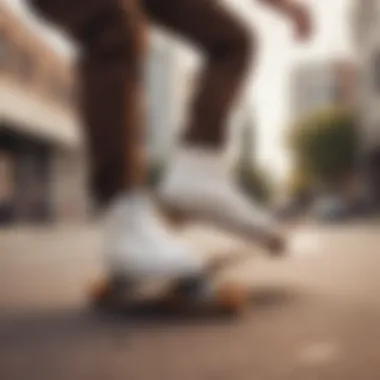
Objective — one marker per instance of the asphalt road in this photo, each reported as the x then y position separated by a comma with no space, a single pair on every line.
314,315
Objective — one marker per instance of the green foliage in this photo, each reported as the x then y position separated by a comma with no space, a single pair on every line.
300,184
325,145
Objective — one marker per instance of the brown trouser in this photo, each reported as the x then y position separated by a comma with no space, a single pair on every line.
112,36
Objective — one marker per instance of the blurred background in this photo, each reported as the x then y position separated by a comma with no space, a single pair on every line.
322,91
304,141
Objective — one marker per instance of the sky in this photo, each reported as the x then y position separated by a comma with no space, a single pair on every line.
268,87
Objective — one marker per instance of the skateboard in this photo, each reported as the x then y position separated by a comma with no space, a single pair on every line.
198,294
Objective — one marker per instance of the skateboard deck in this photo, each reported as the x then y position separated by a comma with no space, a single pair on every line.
200,293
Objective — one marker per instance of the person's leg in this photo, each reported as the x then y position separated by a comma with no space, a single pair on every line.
197,182
227,46
110,37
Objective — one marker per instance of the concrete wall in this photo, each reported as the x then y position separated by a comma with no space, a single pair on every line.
37,103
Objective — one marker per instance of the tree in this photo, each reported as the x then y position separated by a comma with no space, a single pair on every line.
325,145
299,184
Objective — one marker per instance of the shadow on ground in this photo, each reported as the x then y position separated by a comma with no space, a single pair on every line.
78,324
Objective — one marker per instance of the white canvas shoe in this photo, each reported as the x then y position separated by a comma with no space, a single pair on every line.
138,246
198,186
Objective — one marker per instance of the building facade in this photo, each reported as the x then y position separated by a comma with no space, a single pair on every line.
40,147
42,157
366,36
317,85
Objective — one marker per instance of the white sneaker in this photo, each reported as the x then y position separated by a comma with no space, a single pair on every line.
138,246
198,185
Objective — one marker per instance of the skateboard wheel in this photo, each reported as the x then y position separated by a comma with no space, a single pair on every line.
232,298
100,291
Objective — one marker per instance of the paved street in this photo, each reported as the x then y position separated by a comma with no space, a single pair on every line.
314,315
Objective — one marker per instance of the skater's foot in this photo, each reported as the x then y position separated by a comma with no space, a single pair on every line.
198,186
139,246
